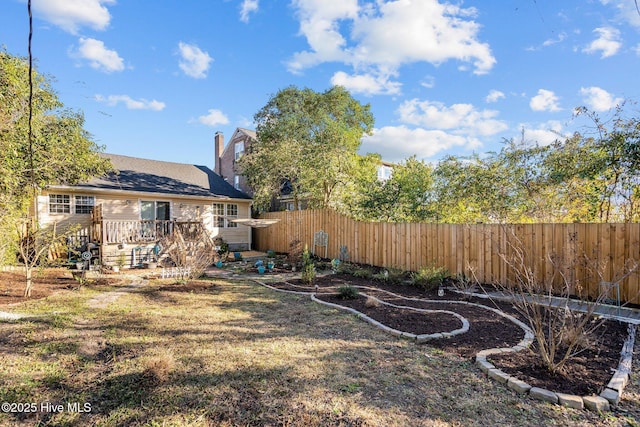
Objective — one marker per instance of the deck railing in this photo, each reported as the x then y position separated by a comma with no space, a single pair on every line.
131,231
140,231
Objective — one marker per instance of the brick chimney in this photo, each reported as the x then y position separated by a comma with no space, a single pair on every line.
219,148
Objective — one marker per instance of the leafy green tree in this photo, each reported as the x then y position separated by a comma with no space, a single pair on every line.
473,189
405,197
613,162
351,196
41,144
61,151
308,140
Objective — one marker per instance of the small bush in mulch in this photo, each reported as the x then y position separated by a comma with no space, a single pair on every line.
429,277
348,292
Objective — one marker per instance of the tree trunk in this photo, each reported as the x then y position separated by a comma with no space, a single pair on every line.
29,281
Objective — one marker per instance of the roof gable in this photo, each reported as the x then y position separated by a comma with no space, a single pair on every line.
238,133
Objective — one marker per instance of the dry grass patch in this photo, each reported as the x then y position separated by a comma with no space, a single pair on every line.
239,354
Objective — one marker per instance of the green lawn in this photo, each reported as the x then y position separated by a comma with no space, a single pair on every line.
240,354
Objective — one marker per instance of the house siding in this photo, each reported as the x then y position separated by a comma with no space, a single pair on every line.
126,207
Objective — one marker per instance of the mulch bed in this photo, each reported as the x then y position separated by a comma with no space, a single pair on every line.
398,318
586,374
45,283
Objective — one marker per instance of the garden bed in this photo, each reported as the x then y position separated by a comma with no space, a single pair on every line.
586,374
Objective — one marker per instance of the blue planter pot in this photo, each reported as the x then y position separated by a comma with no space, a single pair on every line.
261,269
219,264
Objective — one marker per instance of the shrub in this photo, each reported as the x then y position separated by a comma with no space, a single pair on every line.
348,292
346,268
363,273
190,253
429,277
223,247
465,284
391,275
372,302
560,333
308,268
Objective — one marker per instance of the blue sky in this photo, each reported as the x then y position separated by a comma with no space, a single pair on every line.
158,79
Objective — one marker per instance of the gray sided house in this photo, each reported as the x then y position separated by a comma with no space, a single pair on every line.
129,211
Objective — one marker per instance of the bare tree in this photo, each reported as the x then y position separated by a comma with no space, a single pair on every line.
563,325
34,247
191,253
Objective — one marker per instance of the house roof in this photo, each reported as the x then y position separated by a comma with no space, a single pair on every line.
153,176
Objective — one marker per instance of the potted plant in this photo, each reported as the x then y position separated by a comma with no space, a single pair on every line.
121,260
335,265
221,247
153,261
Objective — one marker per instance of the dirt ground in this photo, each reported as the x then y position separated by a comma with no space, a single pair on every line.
46,282
586,374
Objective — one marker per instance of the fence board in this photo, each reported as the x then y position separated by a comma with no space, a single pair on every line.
575,251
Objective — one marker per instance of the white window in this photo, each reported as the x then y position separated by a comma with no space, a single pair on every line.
236,182
223,214
84,204
218,215
232,213
238,150
59,203
384,172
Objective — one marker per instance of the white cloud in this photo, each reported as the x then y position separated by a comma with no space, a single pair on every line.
599,99
543,134
494,96
549,42
319,24
246,8
70,15
559,39
545,100
387,34
429,82
395,143
626,9
194,62
461,119
608,42
98,55
214,118
130,103
438,128
367,84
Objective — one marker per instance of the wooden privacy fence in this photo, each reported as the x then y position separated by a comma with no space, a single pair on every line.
587,255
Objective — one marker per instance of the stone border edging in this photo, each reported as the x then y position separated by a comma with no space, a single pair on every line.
609,396
416,337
